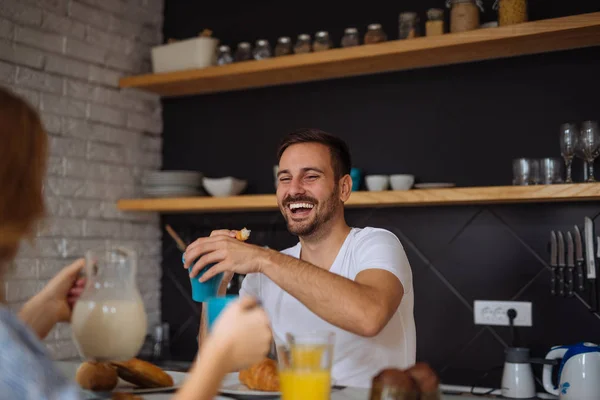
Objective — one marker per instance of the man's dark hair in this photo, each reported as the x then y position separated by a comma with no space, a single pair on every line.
340,154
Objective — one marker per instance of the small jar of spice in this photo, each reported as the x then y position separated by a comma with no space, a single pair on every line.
435,22
375,34
350,38
464,15
408,25
511,12
303,44
283,46
322,41
243,52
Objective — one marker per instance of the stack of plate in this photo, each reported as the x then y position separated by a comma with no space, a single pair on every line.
172,184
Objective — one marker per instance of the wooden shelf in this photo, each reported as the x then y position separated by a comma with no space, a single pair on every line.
415,197
483,44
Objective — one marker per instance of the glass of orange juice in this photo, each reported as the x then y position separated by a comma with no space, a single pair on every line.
305,366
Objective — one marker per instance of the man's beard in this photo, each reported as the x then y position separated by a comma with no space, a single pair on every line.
322,215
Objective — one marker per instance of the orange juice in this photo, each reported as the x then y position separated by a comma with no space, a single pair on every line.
307,356
305,384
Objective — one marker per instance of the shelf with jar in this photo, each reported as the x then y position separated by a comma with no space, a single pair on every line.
384,198
298,62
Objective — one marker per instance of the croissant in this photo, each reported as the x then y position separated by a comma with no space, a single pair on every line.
142,373
261,376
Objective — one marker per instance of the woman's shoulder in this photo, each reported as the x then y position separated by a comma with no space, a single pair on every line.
26,369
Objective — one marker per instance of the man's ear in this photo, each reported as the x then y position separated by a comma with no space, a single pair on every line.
345,187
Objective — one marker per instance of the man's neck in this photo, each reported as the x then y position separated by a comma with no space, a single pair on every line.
322,249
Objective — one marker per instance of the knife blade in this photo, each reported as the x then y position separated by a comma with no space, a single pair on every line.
579,258
561,264
590,261
553,262
570,264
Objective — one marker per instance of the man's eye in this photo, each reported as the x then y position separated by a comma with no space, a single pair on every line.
285,179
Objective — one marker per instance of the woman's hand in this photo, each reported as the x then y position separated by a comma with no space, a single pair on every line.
243,332
56,300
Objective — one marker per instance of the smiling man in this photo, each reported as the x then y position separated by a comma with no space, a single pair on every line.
356,282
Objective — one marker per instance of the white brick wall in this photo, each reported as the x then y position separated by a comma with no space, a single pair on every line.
66,57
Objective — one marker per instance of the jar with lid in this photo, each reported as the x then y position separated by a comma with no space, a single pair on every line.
408,25
262,50
511,12
322,41
283,46
375,34
350,37
224,55
302,44
243,52
464,14
435,22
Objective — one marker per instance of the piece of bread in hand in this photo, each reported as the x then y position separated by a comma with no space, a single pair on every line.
96,376
243,235
142,374
261,376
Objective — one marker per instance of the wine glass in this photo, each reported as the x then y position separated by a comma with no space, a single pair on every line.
589,145
568,146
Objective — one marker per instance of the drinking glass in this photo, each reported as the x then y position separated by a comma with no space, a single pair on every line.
589,145
550,171
305,366
568,146
526,171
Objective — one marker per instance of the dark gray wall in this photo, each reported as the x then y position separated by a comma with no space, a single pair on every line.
460,123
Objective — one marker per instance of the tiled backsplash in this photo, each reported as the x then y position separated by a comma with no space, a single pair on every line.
457,255
65,57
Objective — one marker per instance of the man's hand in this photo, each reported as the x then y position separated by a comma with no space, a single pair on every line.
229,255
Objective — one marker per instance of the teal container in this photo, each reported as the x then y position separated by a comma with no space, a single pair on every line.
214,307
202,291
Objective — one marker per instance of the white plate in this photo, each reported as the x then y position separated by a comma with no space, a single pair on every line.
69,369
434,185
231,385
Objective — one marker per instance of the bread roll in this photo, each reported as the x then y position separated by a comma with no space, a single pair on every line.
96,376
392,383
242,235
142,374
261,376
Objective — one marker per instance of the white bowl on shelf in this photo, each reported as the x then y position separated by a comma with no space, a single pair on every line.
377,183
402,181
194,53
224,187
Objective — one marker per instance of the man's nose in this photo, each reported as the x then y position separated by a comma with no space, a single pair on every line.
296,187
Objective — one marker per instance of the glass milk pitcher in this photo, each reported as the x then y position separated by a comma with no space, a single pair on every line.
109,320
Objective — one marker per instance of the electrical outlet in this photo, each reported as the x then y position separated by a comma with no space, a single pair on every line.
495,312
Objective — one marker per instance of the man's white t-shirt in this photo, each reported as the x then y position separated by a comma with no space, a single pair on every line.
356,359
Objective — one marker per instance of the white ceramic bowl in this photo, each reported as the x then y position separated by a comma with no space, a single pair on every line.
186,54
223,187
402,182
377,183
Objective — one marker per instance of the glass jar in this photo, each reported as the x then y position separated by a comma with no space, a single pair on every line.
350,38
408,25
375,34
243,52
322,41
511,12
435,22
262,50
224,55
464,14
302,44
283,46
